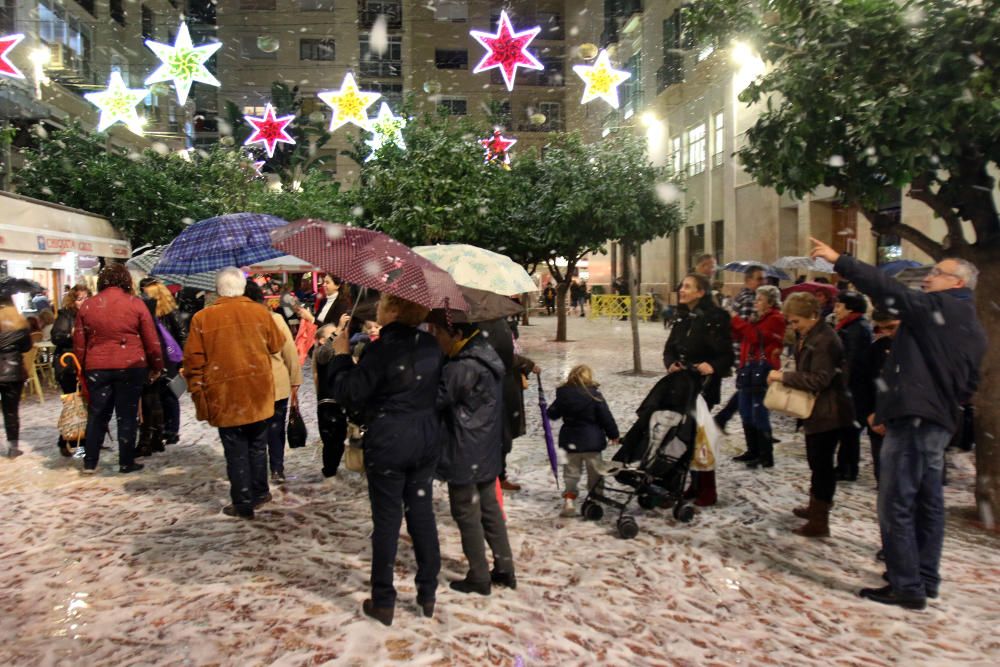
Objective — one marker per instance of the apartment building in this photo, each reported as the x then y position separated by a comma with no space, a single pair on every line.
313,44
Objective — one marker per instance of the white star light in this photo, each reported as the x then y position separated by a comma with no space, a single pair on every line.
349,104
117,104
601,80
386,129
183,63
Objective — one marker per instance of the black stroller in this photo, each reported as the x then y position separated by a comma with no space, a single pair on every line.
652,464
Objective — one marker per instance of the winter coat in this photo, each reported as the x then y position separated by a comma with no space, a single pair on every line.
227,362
15,340
501,339
113,331
819,369
702,334
393,388
470,400
856,336
768,331
865,389
62,339
587,420
934,364
285,366
341,306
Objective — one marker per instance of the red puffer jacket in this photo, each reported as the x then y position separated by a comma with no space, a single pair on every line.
114,330
769,330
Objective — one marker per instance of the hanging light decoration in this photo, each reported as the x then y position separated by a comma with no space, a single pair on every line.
601,80
183,63
386,129
269,130
506,50
349,104
117,103
7,68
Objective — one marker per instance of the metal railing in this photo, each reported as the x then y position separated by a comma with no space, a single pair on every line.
615,306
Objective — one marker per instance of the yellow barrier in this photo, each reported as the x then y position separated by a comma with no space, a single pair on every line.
615,306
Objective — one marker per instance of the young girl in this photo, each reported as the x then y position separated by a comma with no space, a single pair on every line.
587,426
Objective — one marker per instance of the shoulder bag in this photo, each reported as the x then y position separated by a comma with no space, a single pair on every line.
786,400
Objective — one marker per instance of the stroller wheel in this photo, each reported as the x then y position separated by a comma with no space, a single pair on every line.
627,527
647,502
591,511
683,512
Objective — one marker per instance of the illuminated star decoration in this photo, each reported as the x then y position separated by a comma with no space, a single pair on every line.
7,68
601,80
386,129
117,104
183,63
496,147
349,104
269,130
507,50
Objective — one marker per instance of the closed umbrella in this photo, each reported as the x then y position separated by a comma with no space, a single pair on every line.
370,259
550,444
479,268
237,239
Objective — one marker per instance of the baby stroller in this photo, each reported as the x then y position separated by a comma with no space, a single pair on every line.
652,464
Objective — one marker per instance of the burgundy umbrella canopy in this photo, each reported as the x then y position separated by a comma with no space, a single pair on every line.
370,259
812,288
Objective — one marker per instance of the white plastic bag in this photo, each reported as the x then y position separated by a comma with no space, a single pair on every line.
708,439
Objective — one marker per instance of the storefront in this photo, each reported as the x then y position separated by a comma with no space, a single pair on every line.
54,245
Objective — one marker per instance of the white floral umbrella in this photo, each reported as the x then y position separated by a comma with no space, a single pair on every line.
819,265
479,268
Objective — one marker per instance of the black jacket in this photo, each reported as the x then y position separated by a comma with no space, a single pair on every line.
702,334
865,389
934,364
500,337
62,338
587,420
393,388
470,400
856,338
13,345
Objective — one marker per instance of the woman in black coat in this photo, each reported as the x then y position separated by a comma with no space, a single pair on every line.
62,339
856,336
700,339
394,387
335,303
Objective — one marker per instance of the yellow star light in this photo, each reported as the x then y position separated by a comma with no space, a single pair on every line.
349,104
117,104
601,80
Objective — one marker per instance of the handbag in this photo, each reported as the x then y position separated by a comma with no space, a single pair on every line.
177,385
174,352
354,456
297,433
797,403
73,417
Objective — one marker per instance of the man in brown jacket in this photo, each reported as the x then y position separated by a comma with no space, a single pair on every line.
227,363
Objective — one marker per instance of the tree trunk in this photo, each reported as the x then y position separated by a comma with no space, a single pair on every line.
633,292
561,289
526,304
986,404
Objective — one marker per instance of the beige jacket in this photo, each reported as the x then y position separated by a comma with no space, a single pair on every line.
285,364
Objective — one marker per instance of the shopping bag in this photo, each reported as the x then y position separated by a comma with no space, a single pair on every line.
297,433
304,339
73,417
707,439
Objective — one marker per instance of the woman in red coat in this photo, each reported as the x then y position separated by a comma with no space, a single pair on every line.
760,340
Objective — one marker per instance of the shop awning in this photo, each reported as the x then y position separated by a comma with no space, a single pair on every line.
34,229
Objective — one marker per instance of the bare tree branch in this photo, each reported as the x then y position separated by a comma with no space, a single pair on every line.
884,223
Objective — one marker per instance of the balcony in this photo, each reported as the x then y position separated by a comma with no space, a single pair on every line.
670,72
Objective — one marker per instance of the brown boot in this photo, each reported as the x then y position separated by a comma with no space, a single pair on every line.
381,614
804,511
818,524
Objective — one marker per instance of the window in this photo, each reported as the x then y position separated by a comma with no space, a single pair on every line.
88,5
369,11
719,142
551,24
551,59
451,10
389,64
317,49
718,239
696,150
117,11
695,243
68,41
455,106
391,92
316,5
676,156
451,58
553,116
258,5
253,110
148,23
676,40
249,49
631,88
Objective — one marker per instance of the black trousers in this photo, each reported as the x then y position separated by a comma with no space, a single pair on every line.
849,452
333,433
876,441
394,493
820,449
480,520
151,428
246,463
10,397
116,391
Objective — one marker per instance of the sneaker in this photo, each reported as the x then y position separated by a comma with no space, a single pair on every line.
263,501
134,467
277,477
230,510
569,509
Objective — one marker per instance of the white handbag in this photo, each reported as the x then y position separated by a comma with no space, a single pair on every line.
797,403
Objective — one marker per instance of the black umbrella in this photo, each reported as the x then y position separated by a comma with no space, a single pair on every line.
11,285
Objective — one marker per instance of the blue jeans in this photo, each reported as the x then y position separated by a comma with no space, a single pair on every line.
276,436
911,504
752,410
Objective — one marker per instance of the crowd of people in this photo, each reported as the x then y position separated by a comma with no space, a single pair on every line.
428,395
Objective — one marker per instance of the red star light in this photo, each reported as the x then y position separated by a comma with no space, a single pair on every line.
507,50
497,146
7,68
269,130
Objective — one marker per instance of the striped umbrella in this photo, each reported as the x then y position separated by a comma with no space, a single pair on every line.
370,259
237,239
147,260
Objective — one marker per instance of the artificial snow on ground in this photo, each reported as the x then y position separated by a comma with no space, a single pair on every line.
145,569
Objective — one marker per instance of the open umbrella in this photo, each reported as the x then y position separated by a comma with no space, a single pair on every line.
237,239
10,285
550,444
745,266
485,305
896,267
147,260
479,268
913,277
817,265
812,288
370,259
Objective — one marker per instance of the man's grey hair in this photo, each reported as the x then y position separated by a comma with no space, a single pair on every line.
771,293
230,281
967,271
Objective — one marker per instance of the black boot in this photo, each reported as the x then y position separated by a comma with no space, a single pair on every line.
381,614
751,454
426,607
504,579
765,451
466,586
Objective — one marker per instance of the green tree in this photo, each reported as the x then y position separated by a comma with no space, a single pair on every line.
870,95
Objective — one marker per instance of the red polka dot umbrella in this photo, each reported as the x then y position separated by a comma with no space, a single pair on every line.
370,259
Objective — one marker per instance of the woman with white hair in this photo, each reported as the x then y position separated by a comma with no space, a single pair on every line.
760,339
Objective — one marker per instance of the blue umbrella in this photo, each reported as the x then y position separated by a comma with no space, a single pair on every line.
237,239
550,444
744,267
898,266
